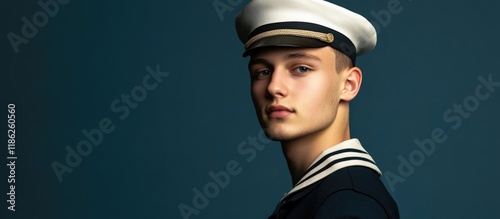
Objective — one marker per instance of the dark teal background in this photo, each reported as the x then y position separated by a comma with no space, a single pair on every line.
428,58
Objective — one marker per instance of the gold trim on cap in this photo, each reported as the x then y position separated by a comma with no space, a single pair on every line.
329,37
325,37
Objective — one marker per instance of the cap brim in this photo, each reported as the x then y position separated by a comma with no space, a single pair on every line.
284,41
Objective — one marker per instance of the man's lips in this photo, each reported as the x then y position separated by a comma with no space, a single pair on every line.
278,111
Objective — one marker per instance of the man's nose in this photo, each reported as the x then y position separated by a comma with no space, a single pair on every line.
277,87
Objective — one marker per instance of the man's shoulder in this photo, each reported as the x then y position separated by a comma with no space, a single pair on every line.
350,204
350,192
354,191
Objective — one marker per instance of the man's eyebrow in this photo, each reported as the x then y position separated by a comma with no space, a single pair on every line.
302,56
258,61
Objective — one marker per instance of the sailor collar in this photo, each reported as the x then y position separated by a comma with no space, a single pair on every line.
345,154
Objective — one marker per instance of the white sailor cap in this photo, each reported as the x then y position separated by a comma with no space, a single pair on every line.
304,23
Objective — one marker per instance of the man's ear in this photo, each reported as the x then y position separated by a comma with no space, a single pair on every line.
352,83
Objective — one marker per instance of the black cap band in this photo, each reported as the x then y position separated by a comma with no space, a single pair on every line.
340,41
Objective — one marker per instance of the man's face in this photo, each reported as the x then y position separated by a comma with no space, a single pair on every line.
295,91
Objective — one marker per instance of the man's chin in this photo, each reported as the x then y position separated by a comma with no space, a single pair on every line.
279,135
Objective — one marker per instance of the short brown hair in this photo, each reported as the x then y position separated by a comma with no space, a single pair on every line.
342,61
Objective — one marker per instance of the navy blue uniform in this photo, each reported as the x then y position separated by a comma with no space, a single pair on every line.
342,183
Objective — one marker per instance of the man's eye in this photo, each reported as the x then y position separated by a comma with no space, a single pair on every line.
264,73
301,69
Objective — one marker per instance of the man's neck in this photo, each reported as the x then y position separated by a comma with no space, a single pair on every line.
301,152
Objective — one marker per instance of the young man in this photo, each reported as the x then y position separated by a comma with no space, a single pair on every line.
303,75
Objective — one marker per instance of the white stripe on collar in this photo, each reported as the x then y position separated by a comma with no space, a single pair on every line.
345,154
